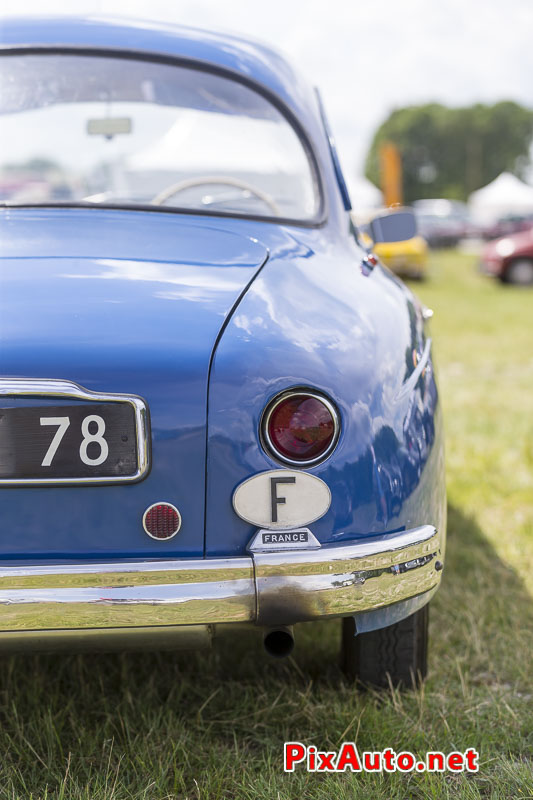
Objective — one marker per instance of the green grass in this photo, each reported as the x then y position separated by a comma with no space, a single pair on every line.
213,725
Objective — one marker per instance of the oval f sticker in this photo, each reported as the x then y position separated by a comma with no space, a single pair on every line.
282,498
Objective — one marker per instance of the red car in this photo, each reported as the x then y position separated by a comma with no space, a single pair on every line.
506,226
510,258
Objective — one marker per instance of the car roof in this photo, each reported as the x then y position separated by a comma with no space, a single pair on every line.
251,60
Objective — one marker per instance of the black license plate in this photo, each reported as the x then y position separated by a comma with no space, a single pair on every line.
96,440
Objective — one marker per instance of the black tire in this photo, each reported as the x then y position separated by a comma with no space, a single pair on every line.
396,655
519,272
418,276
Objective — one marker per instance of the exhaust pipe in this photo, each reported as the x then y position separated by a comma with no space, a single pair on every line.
279,642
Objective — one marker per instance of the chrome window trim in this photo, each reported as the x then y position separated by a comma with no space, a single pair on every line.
50,387
266,441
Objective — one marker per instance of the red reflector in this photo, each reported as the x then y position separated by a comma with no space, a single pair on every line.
161,521
301,427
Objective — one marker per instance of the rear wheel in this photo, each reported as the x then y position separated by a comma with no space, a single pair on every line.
396,655
519,272
418,275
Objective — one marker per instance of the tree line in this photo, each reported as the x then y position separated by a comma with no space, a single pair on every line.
450,152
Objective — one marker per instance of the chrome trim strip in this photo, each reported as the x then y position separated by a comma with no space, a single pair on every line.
412,380
265,588
366,621
266,441
50,387
133,573
195,592
340,580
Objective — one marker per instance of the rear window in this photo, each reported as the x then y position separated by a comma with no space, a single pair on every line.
98,130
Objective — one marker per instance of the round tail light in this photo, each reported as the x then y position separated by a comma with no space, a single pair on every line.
161,521
300,428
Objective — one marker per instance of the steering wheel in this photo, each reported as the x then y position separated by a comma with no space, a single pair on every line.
180,186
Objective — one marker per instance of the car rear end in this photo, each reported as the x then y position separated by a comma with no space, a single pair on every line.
172,283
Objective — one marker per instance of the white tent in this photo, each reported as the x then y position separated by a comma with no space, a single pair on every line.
195,146
507,194
262,153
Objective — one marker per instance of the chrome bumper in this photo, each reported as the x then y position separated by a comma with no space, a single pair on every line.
263,588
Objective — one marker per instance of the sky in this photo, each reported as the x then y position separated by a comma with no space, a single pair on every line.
367,58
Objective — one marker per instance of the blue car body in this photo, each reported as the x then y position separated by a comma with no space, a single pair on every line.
207,318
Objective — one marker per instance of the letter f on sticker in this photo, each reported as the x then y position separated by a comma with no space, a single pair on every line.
276,501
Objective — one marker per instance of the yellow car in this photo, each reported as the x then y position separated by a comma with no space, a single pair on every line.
408,258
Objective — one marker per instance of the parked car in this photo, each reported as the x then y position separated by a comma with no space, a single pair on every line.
218,409
443,223
512,223
409,259
510,258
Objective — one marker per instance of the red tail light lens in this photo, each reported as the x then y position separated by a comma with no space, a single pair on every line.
300,428
161,521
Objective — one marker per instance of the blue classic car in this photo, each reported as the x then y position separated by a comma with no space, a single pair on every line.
218,408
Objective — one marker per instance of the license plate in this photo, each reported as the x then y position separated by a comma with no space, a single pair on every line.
70,442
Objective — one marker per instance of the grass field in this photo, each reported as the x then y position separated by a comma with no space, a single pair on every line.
212,726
